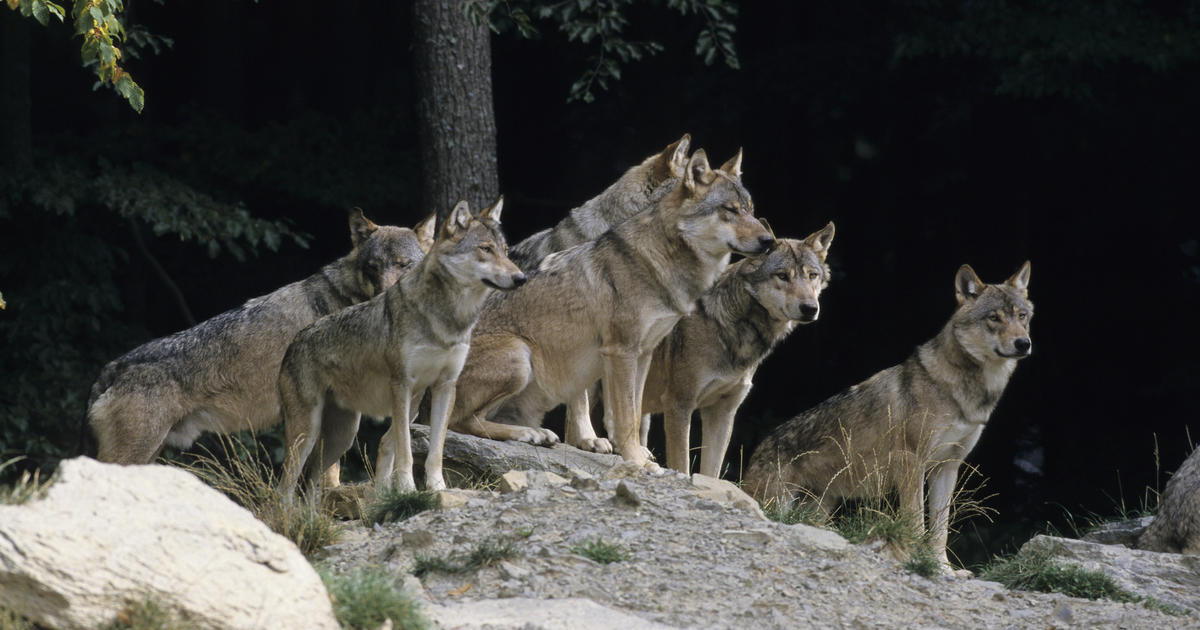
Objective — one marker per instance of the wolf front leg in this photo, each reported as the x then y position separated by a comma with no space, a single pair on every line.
442,400
716,422
399,469
621,393
579,431
941,490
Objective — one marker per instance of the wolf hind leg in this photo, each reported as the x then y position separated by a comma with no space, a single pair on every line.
133,428
497,368
339,426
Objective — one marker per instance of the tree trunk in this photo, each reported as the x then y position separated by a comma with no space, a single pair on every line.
16,140
455,117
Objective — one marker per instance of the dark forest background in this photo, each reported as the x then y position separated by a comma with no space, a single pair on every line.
933,133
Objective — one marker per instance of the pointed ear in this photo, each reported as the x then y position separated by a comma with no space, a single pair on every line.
820,240
675,156
967,285
734,165
459,219
1020,280
698,172
425,231
493,211
361,227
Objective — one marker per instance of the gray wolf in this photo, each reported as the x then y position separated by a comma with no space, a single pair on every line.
380,356
1176,527
220,374
709,359
601,308
911,422
639,188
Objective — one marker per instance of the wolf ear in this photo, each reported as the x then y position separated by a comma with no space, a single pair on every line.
820,240
1020,280
698,172
493,211
459,219
361,228
734,165
967,285
426,232
675,156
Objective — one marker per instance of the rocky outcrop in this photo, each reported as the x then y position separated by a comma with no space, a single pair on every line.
1176,527
468,457
1170,578
107,536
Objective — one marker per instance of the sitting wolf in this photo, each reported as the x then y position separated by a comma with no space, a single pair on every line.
915,420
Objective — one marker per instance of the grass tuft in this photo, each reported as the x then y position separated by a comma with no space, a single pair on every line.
366,598
10,620
867,523
246,476
806,513
393,504
922,562
602,552
146,615
28,486
487,553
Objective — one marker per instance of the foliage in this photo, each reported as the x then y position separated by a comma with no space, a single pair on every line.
245,474
603,552
366,598
922,562
808,513
605,22
393,504
1053,48
65,317
487,553
97,23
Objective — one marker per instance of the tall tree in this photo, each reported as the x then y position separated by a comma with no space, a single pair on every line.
455,115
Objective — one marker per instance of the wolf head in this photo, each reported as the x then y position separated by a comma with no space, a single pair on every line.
992,320
473,249
714,212
381,253
788,280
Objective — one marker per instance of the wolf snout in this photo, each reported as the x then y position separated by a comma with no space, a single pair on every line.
766,242
1022,345
518,279
808,312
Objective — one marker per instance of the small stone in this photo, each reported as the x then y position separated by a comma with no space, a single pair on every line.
450,499
626,496
581,480
545,478
750,536
511,570
513,481
1063,613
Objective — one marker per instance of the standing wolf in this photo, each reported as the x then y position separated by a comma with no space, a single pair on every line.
709,359
379,357
910,421
639,188
600,310
220,374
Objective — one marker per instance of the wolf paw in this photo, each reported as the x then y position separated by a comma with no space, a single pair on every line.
541,437
639,454
595,445
435,482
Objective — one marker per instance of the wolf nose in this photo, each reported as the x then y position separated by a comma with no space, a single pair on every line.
1022,344
808,312
519,279
766,241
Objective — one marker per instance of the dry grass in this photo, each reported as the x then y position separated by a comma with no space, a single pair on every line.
27,487
245,474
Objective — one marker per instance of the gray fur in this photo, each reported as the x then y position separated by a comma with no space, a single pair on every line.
639,188
910,422
219,375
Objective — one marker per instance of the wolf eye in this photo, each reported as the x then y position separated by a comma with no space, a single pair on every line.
994,318
812,275
1022,316
487,248
782,275
731,208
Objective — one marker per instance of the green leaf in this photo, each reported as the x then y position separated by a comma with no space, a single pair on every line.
132,93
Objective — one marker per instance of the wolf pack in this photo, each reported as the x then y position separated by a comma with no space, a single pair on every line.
632,305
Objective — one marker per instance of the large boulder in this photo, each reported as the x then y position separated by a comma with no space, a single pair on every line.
1176,528
107,536
467,456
